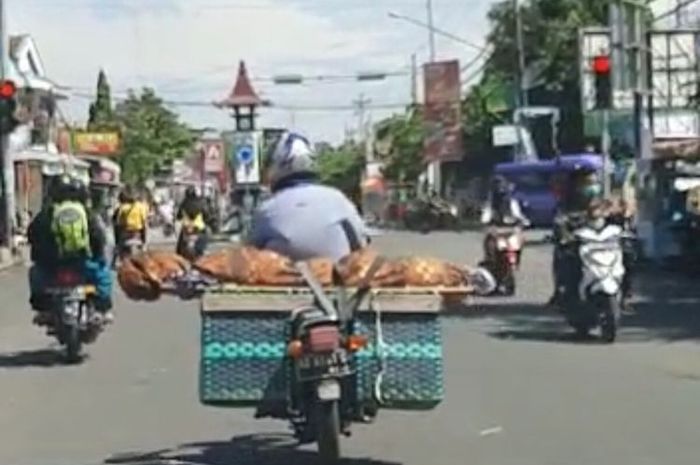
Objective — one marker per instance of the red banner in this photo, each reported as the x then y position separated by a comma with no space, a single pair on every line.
441,115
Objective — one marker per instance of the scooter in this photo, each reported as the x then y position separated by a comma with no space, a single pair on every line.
503,249
599,295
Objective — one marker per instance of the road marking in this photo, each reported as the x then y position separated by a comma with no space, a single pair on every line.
491,431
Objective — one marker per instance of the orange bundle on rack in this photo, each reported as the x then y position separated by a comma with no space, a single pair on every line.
145,276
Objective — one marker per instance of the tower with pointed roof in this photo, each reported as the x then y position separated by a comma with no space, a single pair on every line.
242,101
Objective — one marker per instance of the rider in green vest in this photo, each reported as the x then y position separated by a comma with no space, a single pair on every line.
66,233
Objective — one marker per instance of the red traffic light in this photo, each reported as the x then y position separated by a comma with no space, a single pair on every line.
601,64
7,89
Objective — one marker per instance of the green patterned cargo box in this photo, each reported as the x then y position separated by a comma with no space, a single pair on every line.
243,349
402,367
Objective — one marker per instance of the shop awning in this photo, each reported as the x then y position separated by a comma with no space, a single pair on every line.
54,164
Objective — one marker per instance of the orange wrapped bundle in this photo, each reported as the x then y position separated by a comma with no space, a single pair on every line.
249,266
142,277
354,268
419,271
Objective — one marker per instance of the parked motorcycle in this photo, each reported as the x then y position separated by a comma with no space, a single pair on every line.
74,320
502,250
598,299
431,214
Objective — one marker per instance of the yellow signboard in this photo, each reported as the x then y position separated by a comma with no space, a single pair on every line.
96,143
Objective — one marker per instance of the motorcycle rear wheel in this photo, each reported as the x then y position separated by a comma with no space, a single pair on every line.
74,344
609,320
327,420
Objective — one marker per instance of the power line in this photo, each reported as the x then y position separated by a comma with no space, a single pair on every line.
674,10
286,107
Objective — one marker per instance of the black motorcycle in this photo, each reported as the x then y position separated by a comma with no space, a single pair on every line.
427,215
73,318
190,243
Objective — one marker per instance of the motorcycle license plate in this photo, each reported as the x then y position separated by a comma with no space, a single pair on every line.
328,390
322,362
73,293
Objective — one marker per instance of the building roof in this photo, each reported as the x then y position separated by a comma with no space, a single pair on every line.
242,93
25,66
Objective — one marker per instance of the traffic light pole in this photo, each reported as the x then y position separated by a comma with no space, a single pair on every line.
7,207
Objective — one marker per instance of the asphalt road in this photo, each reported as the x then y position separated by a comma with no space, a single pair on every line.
520,389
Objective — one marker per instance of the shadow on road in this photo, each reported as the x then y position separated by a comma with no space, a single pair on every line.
256,449
666,308
31,358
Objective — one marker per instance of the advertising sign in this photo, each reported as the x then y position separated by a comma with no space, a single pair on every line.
212,152
245,156
96,143
505,135
442,120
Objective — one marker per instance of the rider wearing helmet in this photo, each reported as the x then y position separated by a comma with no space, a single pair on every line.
194,216
130,219
502,207
304,219
66,234
583,196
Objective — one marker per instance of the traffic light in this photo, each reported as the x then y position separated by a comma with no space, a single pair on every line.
8,106
603,86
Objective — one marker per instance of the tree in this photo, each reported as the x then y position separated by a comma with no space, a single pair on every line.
101,115
151,135
550,29
400,139
485,106
342,167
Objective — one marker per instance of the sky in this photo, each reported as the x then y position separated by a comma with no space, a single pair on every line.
189,50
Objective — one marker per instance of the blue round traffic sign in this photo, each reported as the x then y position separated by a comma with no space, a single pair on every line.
244,154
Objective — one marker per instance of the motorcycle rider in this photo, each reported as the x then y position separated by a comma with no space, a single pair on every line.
582,196
194,214
304,219
130,218
65,233
502,208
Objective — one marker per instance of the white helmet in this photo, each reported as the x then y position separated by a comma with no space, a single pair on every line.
292,155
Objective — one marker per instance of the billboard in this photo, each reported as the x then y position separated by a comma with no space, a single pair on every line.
96,143
212,155
441,113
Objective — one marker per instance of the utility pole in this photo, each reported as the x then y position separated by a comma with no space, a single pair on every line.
431,29
361,106
8,194
414,80
521,53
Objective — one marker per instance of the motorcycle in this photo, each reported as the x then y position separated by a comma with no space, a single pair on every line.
599,295
168,229
427,215
132,245
503,248
73,320
189,243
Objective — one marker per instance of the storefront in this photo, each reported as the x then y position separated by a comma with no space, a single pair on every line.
34,168
667,185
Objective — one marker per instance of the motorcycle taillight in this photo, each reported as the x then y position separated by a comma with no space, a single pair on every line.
67,278
324,338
